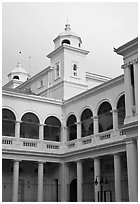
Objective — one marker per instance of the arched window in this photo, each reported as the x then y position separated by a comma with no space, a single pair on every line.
105,117
8,123
121,110
66,42
52,130
16,77
72,127
29,126
87,123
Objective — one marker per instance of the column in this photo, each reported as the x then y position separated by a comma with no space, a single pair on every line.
79,181
15,180
64,179
115,118
41,131
78,130
96,124
135,64
40,182
96,174
117,175
132,170
17,129
128,90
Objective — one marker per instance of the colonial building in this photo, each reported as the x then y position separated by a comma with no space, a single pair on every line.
71,135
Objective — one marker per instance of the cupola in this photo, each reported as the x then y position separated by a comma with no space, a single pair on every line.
68,37
19,74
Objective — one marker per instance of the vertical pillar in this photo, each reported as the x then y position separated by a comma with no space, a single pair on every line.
17,129
115,118
41,131
96,124
78,130
132,170
96,174
79,181
117,175
128,90
64,178
135,64
15,180
40,182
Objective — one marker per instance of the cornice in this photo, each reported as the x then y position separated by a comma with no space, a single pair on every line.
126,65
32,97
97,77
120,50
68,47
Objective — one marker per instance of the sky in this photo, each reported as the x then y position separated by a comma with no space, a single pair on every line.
30,28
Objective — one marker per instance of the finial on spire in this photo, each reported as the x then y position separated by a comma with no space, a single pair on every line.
67,26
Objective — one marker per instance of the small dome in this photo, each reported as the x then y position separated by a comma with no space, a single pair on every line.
67,31
19,69
19,74
67,37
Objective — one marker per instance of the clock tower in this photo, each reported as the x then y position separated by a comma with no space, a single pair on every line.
67,62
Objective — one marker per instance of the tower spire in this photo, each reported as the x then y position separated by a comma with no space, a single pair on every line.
67,26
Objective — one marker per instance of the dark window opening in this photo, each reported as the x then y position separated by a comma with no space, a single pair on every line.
72,128
30,126
66,42
132,83
105,117
16,77
86,123
8,123
52,130
121,110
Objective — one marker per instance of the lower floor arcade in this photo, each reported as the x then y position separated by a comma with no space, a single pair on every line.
109,177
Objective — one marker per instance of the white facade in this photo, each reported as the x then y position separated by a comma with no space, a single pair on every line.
72,140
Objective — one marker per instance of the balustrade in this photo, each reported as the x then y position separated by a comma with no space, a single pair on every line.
44,145
23,143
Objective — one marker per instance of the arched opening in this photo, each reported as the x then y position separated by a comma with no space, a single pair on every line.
29,126
66,42
105,117
73,190
121,110
52,130
8,123
16,77
72,128
87,123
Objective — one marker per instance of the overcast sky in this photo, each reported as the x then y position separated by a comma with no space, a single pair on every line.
31,28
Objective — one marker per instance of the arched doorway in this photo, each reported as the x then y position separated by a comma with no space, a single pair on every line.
73,190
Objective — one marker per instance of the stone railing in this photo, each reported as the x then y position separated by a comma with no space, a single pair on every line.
30,144
94,140
57,147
